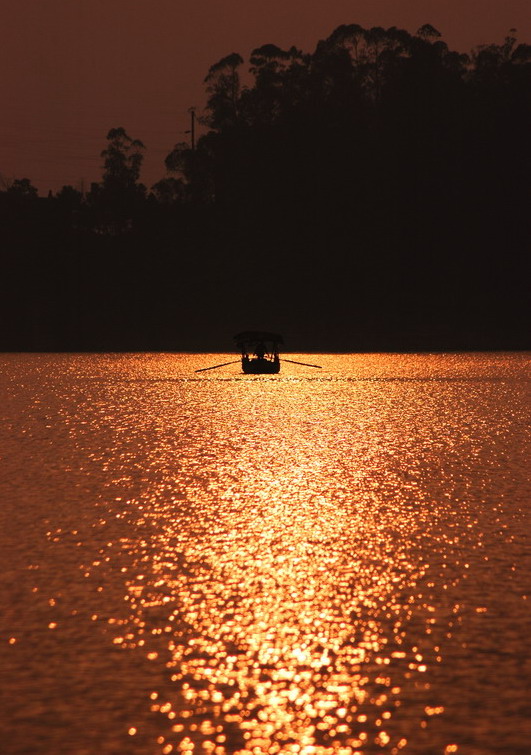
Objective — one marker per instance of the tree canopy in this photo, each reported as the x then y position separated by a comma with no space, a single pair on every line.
373,193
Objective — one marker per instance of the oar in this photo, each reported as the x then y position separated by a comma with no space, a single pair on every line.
304,364
204,369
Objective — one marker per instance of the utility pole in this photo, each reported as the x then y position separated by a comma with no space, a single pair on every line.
192,125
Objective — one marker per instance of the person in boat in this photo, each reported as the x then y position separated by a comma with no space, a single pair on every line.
259,352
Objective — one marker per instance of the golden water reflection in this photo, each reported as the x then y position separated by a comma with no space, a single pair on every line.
290,564
279,579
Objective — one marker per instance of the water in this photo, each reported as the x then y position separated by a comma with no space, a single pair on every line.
315,562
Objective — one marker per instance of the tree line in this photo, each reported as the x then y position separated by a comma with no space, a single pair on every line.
373,194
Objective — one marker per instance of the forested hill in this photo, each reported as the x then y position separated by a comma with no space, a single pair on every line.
374,194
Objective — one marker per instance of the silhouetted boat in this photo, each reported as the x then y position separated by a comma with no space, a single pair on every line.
259,353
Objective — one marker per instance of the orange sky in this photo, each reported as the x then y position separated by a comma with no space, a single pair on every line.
72,69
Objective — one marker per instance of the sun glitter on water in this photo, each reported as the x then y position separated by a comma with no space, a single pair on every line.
279,588
251,565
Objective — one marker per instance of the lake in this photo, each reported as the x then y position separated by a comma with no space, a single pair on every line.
320,561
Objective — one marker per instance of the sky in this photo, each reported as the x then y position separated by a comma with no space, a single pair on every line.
72,69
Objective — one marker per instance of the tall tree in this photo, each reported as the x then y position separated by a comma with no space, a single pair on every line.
224,89
115,202
123,158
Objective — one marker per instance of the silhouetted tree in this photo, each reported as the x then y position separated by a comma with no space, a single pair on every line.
194,169
376,189
428,32
123,158
179,159
115,202
70,197
22,187
169,191
224,89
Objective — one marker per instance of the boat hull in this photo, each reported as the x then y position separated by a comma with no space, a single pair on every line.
260,366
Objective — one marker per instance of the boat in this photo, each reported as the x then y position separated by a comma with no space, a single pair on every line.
259,353
259,350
